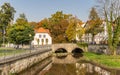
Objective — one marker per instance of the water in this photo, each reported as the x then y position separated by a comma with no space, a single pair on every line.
69,65
72,66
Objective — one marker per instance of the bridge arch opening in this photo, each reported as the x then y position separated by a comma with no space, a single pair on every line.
77,52
61,50
61,53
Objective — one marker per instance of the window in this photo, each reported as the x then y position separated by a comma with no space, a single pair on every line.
44,36
46,41
40,36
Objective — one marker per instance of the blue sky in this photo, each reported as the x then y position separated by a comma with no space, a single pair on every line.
36,10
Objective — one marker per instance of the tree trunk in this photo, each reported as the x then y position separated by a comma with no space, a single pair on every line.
93,41
114,52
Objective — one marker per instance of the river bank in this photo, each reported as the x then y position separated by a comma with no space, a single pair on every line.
107,61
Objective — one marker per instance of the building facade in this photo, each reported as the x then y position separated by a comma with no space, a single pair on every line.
100,38
42,37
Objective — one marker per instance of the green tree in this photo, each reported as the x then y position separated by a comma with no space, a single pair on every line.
21,32
6,16
33,24
111,15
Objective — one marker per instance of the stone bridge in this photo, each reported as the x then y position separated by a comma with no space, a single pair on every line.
69,47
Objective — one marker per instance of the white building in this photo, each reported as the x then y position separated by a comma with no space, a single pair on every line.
103,36
42,37
99,38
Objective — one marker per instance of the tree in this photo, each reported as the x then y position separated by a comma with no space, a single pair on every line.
33,24
71,30
111,14
58,24
43,23
6,16
94,24
93,14
21,32
74,29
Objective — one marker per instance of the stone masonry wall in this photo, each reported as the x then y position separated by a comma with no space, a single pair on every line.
21,64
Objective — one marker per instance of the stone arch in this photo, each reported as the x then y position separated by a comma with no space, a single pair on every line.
61,50
61,53
77,52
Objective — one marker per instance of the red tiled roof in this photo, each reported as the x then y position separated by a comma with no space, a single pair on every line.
41,30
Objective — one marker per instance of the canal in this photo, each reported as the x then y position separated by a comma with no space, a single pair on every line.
68,65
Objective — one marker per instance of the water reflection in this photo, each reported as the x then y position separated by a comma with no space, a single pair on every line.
63,66
89,69
69,66
68,59
77,55
36,68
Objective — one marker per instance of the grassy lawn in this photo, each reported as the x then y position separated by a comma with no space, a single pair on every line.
10,51
106,60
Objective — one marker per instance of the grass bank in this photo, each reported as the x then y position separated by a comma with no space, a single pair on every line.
10,51
105,60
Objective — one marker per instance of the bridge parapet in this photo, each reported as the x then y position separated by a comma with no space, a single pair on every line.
67,46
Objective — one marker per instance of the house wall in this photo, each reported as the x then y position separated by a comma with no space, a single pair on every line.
102,36
41,39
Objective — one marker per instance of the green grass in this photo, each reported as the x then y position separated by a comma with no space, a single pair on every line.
106,60
10,51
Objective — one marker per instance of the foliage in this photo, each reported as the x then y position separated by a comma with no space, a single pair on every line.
21,32
58,24
94,25
71,30
111,13
74,29
80,30
109,61
93,14
43,23
33,24
6,16
82,44
116,34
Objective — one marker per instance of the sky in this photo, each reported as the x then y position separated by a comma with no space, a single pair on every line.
36,10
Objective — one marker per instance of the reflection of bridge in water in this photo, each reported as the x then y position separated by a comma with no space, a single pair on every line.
66,60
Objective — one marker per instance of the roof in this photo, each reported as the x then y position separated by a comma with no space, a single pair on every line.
42,30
